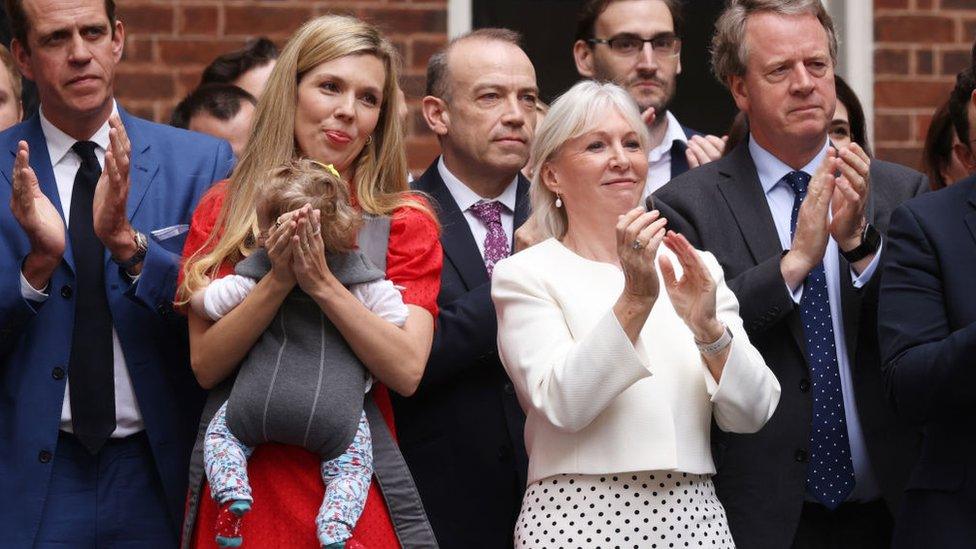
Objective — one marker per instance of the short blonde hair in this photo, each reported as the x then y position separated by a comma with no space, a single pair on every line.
730,50
579,110
305,181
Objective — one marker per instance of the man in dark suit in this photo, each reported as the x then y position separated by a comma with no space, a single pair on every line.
927,328
637,44
798,228
461,433
99,406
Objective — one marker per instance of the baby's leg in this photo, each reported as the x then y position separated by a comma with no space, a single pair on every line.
225,461
347,479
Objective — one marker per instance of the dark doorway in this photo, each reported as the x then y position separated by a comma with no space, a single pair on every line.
548,26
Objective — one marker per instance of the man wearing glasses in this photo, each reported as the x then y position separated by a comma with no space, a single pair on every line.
637,44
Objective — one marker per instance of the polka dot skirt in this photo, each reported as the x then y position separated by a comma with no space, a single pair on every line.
646,510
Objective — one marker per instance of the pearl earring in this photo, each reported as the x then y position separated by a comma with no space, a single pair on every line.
559,201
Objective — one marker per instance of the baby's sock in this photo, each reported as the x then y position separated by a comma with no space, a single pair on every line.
229,522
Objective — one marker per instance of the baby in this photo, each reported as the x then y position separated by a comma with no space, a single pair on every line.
300,384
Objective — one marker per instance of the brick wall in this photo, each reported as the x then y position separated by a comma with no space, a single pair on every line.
920,45
171,41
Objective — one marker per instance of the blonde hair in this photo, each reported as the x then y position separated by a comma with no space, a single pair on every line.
380,179
305,181
578,111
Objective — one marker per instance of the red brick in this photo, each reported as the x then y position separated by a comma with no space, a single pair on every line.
199,20
906,156
255,20
887,61
405,20
421,152
892,127
421,50
883,4
141,85
957,4
924,60
968,31
140,108
146,18
413,85
909,94
137,50
194,51
914,28
955,61
922,122
924,4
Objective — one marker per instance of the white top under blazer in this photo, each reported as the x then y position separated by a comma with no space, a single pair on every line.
596,403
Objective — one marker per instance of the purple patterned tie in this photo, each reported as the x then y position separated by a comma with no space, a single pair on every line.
496,243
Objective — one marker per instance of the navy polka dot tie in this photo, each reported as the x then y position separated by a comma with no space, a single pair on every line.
830,472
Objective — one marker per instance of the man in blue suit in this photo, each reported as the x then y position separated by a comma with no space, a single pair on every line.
98,407
637,44
927,329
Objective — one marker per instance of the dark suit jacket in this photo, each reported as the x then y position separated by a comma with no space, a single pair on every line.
171,169
721,207
679,162
927,327
461,433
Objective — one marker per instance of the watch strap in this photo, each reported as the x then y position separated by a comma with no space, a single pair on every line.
142,245
870,242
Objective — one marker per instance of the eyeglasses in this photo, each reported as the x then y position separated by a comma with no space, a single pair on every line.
665,45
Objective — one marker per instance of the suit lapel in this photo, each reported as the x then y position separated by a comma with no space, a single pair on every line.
458,243
679,161
971,216
744,194
522,206
143,165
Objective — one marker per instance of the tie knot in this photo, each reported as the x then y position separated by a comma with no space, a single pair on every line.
798,181
86,150
488,212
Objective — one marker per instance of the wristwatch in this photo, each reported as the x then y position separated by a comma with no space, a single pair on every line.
142,244
870,242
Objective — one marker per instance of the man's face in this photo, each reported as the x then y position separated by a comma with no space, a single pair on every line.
649,77
235,131
71,55
788,89
489,115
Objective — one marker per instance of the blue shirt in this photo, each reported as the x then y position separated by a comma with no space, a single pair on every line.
779,196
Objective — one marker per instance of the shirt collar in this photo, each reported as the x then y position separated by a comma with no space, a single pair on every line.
673,133
465,197
59,143
771,170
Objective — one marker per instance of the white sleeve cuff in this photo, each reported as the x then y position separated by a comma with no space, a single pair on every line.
30,293
865,276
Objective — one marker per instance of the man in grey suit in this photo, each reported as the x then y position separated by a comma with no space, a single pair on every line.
798,228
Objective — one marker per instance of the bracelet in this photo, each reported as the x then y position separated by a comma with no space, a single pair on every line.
716,346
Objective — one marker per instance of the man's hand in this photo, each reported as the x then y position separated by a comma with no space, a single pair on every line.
649,116
850,197
111,194
810,237
703,149
40,220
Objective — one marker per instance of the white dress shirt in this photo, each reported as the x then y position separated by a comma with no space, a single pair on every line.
65,163
659,158
779,196
595,402
465,198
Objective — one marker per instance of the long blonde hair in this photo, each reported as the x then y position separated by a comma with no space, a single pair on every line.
380,179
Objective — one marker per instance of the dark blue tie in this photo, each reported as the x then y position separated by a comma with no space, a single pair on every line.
91,372
830,472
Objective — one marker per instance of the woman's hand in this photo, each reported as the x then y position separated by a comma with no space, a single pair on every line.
693,296
639,234
311,271
280,249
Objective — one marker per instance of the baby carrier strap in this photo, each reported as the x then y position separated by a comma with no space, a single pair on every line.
390,469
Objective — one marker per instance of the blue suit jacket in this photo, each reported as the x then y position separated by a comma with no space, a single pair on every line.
927,329
170,171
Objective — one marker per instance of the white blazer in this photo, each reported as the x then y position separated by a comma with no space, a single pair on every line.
594,402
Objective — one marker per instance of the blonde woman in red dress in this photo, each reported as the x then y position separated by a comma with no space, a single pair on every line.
332,98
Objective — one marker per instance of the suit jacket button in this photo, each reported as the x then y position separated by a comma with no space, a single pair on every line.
800,456
57,373
44,456
804,385
67,291
509,389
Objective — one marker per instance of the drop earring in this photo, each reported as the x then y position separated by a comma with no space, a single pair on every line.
559,201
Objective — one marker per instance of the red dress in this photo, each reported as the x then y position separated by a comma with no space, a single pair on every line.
285,480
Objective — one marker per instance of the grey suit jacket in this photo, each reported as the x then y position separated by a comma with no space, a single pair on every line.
761,478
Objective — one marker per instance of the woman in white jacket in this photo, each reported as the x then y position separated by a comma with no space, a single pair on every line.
619,380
